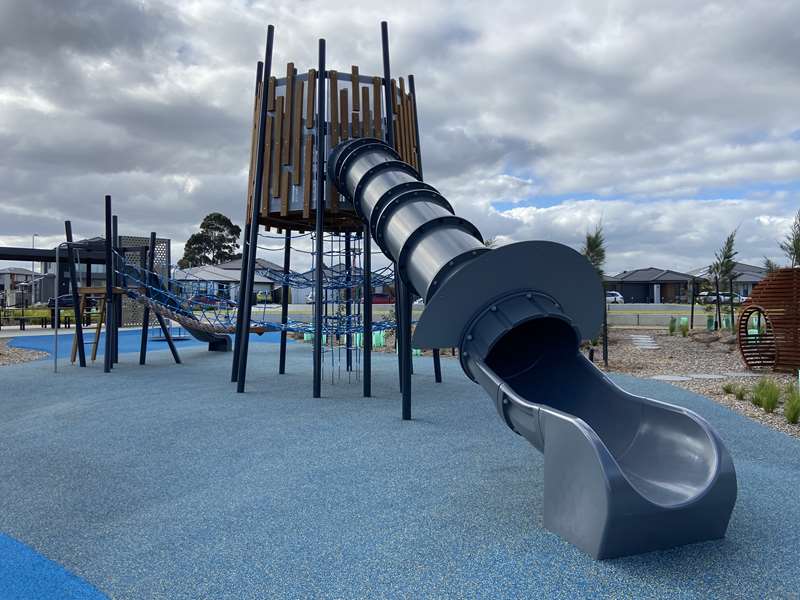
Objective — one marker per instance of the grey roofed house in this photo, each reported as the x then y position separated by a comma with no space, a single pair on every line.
261,264
650,284
213,280
746,277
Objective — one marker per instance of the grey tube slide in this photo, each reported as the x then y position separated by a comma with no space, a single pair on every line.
623,474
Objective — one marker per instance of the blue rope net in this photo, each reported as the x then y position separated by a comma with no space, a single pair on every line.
203,304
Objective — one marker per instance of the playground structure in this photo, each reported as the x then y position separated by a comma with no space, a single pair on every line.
624,474
768,329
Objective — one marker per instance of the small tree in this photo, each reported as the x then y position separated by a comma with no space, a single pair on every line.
594,248
490,242
216,242
791,244
723,258
770,266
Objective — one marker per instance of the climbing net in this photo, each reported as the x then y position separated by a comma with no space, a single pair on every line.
209,305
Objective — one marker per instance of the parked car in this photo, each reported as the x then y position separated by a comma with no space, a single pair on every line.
724,298
613,297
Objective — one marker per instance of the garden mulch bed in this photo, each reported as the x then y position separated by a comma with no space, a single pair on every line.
699,352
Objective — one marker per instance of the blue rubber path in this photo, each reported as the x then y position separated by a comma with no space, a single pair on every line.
162,482
129,341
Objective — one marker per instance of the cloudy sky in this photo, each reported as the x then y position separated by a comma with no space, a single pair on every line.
671,125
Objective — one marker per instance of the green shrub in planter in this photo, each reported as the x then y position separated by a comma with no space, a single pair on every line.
673,325
740,392
766,394
791,407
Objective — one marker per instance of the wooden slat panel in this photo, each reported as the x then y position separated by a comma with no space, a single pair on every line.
276,150
312,92
267,156
284,193
308,161
271,95
253,150
401,125
334,133
377,107
288,121
343,112
393,89
356,122
366,121
414,129
354,84
296,128
412,148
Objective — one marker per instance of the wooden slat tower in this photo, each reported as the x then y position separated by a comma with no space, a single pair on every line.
299,116
355,109
769,325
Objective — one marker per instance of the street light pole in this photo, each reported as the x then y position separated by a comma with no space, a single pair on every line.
33,270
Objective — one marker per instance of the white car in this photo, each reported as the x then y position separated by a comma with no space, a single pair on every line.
613,297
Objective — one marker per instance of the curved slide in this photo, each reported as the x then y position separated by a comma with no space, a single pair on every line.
623,474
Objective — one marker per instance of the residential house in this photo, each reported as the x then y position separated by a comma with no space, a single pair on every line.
650,285
15,286
745,277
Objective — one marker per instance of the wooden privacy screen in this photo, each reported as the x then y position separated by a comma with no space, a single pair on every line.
769,325
355,109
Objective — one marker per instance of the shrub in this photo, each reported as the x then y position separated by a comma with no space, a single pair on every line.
684,329
673,325
740,392
766,394
791,407
728,388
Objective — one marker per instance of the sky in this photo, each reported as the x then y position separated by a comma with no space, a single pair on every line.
669,123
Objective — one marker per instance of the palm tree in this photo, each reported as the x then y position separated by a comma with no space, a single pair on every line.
594,248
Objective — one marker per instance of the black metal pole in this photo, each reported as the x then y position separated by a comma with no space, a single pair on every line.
348,302
115,275
718,320
73,282
108,363
405,348
287,257
691,309
148,264
245,304
319,221
245,245
367,293
387,84
239,314
730,298
605,333
398,325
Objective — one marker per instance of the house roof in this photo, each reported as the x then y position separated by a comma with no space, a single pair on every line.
213,273
16,271
746,273
236,264
652,275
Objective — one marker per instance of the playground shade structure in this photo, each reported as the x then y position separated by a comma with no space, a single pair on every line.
624,474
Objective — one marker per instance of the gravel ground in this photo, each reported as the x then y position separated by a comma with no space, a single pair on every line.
695,354
15,356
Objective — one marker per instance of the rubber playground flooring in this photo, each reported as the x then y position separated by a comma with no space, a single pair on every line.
161,482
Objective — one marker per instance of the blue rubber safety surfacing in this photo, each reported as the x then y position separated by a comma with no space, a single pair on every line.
129,341
162,482
27,575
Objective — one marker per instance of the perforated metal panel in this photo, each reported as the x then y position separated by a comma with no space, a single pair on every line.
132,312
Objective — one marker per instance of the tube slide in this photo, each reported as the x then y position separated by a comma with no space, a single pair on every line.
623,474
